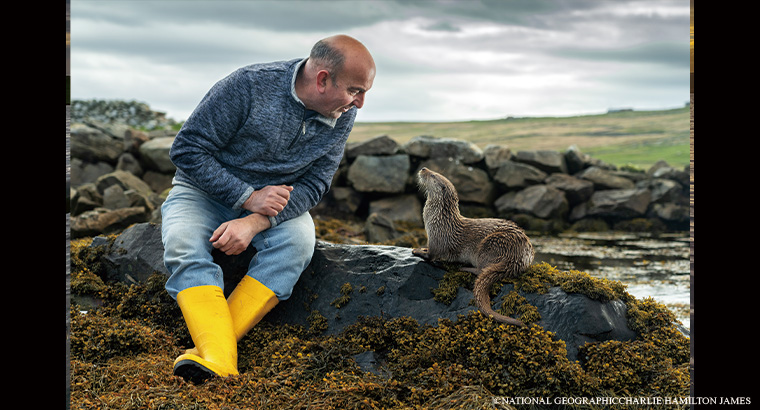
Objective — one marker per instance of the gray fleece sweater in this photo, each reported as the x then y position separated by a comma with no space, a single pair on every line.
251,130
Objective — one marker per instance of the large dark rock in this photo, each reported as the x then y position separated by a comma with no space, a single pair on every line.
379,145
386,174
346,282
545,160
425,146
542,201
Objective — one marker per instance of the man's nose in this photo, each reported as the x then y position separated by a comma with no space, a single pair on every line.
359,100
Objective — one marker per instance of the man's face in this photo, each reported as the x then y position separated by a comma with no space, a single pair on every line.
346,91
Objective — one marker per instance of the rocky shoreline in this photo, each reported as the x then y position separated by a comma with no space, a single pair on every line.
370,322
120,176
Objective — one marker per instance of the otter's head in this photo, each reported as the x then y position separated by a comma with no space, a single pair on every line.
436,186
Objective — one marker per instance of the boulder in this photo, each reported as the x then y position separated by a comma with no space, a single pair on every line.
387,174
542,201
515,175
380,145
545,160
495,155
379,228
575,160
604,179
576,190
156,154
92,145
83,172
123,179
619,203
425,146
399,208
577,319
345,282
103,220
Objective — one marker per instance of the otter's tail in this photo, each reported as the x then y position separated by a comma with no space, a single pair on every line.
482,291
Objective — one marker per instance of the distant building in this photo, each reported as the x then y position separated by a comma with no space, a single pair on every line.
612,110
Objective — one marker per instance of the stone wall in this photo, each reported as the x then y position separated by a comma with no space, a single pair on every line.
120,175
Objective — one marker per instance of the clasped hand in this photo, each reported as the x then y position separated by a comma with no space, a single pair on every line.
233,237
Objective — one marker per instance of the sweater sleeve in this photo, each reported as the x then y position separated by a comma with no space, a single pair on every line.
216,119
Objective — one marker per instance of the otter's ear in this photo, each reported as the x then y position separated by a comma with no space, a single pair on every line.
322,77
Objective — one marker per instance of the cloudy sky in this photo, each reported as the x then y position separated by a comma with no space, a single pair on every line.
436,60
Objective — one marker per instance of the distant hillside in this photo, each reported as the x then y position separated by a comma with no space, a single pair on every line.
638,138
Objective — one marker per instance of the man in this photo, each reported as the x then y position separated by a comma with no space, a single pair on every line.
257,153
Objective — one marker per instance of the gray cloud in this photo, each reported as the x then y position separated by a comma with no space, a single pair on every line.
437,60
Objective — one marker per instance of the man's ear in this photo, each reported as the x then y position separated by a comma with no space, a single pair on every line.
322,77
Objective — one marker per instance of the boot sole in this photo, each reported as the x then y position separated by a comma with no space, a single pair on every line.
193,371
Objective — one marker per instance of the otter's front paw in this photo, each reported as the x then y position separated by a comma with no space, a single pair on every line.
421,252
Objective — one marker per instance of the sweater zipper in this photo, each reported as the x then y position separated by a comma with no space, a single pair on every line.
299,134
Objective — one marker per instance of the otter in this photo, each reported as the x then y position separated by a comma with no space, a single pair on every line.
496,248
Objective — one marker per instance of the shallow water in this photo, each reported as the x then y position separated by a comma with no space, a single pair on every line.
649,266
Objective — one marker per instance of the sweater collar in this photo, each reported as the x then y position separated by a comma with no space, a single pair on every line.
330,122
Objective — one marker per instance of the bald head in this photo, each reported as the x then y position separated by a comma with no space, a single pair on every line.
336,76
340,51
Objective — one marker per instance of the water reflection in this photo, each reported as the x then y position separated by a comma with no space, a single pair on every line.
648,265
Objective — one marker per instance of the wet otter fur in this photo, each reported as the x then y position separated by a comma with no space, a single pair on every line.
496,248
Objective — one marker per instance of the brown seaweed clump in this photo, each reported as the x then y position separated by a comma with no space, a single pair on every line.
123,347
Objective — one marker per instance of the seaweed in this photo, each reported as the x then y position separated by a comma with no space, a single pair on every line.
122,350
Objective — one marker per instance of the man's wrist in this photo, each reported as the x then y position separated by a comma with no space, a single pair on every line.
261,221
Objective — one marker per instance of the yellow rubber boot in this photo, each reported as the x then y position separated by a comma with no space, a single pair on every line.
249,302
210,325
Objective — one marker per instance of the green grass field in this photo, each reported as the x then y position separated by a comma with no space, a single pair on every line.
638,138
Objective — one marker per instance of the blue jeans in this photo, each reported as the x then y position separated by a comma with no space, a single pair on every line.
190,216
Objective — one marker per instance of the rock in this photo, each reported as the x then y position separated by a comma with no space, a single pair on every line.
495,155
125,180
128,163
472,184
85,172
102,220
514,175
577,319
379,174
576,190
340,202
85,198
135,254
547,161
133,139
92,145
157,181
379,228
114,198
619,203
156,154
575,160
380,145
399,208
604,179
542,201
425,146
663,190
346,282
670,212
682,176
